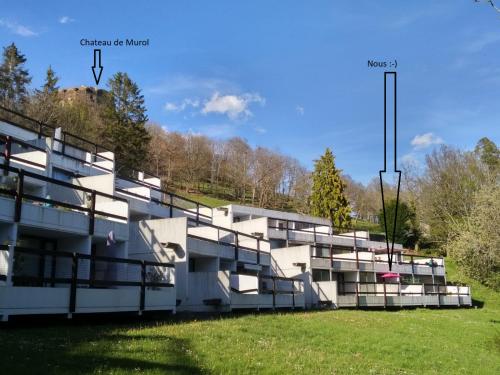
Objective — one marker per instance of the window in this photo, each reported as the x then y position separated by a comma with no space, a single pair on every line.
320,275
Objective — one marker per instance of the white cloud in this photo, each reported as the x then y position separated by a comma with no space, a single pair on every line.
300,110
66,19
483,41
183,105
234,106
425,140
410,158
260,130
17,28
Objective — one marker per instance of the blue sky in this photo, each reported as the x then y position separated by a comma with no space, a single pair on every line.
287,75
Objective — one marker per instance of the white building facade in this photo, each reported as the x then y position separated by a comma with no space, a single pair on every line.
76,237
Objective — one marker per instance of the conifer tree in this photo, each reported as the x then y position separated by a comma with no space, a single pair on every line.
45,104
328,198
125,118
50,85
14,79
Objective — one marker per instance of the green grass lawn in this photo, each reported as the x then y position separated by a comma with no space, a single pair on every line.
422,341
206,199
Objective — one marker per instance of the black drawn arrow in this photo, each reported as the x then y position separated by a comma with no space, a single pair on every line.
382,173
95,67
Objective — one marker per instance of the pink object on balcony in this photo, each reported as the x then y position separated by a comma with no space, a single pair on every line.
390,275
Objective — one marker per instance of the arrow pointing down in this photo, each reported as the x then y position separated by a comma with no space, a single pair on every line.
383,174
97,69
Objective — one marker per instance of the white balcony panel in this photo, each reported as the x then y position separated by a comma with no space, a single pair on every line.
63,220
39,300
371,300
251,301
287,300
34,300
422,270
346,301
209,248
164,299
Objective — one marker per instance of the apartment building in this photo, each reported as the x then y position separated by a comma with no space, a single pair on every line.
343,267
76,237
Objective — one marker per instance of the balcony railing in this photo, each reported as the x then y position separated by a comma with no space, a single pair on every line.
317,230
365,260
281,286
387,290
18,151
156,195
240,242
42,268
90,202
64,143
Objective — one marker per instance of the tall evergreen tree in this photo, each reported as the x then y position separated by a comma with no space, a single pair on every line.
489,154
14,79
50,85
125,117
328,198
45,104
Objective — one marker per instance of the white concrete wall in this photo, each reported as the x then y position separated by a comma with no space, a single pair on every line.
222,219
104,183
252,226
244,282
207,285
282,261
146,238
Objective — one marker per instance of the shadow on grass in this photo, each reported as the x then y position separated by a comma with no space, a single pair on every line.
477,303
84,350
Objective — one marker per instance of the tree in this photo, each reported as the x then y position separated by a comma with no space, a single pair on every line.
446,190
14,79
328,198
489,154
46,104
475,241
125,118
406,231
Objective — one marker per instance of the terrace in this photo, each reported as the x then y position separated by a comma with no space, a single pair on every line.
366,294
267,292
308,232
229,244
372,261
69,151
26,198
60,282
146,197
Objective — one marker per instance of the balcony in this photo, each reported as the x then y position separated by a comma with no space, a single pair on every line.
362,294
70,156
211,240
266,292
147,198
76,209
29,155
55,282
368,261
